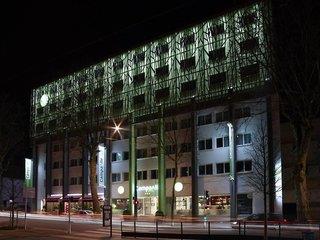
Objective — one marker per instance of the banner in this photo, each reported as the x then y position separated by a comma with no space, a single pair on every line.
101,166
28,172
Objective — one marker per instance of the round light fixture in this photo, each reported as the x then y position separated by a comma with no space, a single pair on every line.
178,187
120,189
44,100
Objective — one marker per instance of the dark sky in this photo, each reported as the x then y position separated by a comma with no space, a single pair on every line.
46,39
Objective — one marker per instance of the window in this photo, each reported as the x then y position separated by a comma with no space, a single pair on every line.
205,144
153,152
154,174
117,87
217,80
142,153
242,112
205,169
55,182
185,147
56,148
171,149
205,119
187,63
80,162
55,165
73,162
162,71
223,168
153,129
170,126
162,94
217,29
138,80
117,65
138,101
125,155
160,49
116,177
222,142
66,102
248,19
250,73
185,123
249,45
116,156
188,88
53,107
117,106
139,57
243,139
222,116
217,54
244,166
73,181
142,175
185,171
98,92
80,180
125,176
98,72
170,172
187,40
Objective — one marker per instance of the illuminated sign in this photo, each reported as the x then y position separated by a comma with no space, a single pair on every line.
178,187
28,172
148,188
101,166
120,189
44,100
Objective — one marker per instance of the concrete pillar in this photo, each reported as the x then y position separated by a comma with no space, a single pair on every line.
161,165
132,170
194,166
48,191
85,170
65,187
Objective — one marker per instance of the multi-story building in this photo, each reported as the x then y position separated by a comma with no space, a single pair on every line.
185,105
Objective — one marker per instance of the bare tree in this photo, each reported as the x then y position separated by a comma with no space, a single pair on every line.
260,180
287,55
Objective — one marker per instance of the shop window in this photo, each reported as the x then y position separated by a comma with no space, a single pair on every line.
217,29
204,119
125,176
205,144
217,55
116,177
162,71
185,171
142,175
188,63
222,142
186,147
244,204
223,168
222,116
154,174
162,48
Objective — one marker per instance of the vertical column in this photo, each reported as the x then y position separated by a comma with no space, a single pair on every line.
194,165
107,190
35,175
65,189
161,165
48,167
85,169
132,171
233,162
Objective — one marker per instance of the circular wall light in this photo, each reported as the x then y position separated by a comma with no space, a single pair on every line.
178,187
44,100
120,189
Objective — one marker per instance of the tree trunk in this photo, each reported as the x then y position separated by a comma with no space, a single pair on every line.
299,178
265,220
93,183
173,199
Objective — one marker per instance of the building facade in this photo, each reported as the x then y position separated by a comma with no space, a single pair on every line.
178,116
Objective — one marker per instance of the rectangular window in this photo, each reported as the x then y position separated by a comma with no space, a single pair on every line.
142,153
161,49
154,174
205,144
204,119
240,166
222,142
222,116
248,166
125,155
186,147
73,162
188,88
125,176
162,72
185,171
55,182
206,169
116,157
185,123
162,94
217,80
138,80
250,73
153,152
138,101
142,175
223,168
116,177
170,172
249,45
187,40
243,139
117,65
217,55
80,180
117,87
171,149
202,170
55,165
242,112
139,57
217,29
73,181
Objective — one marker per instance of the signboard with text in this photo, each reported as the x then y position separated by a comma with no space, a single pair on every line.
28,173
101,166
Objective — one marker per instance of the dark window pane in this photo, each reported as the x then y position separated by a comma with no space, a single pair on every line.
188,63
248,166
125,176
168,173
209,143
154,174
187,40
201,120
226,141
247,138
208,119
125,155
219,142
240,167
227,167
184,172
162,71
209,169
202,170
217,29
220,168
219,117
145,175
217,54
188,88
249,45
201,144
138,101
160,49
239,139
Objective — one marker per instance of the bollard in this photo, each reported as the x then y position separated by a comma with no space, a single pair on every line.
121,227
134,228
239,228
181,233
157,229
209,233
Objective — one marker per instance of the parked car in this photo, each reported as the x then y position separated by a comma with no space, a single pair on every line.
85,212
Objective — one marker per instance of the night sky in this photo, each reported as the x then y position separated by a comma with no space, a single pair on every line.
44,40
